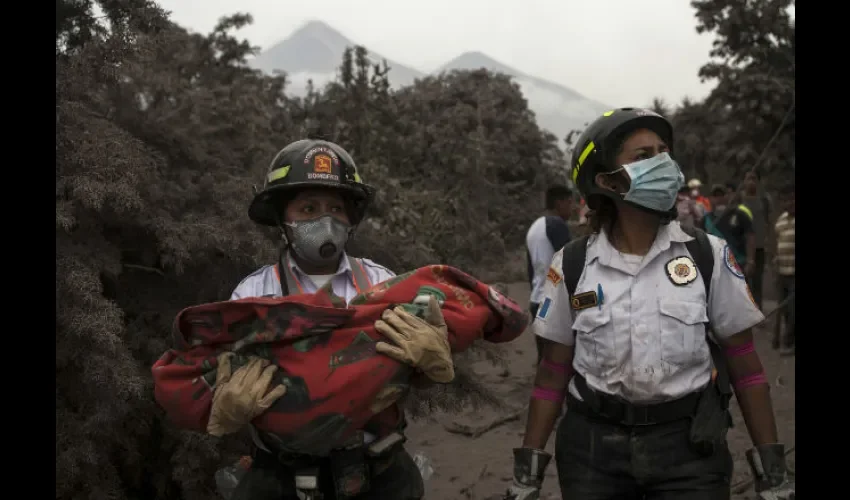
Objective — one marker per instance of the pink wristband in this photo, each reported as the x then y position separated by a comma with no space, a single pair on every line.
740,350
547,394
561,368
750,380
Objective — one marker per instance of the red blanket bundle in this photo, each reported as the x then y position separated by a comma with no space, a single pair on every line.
326,351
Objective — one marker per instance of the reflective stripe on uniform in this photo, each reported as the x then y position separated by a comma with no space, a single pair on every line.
361,278
358,273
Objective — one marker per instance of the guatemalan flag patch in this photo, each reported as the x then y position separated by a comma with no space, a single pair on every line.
544,308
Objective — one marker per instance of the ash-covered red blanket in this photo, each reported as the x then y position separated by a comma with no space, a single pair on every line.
326,351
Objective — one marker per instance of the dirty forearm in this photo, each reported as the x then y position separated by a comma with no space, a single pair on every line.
751,388
553,376
542,415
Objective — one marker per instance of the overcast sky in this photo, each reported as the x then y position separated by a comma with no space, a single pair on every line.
619,52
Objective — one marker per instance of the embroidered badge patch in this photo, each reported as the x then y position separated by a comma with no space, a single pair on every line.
681,270
731,263
553,276
584,300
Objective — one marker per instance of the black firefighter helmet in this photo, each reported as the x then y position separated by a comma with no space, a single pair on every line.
597,147
309,163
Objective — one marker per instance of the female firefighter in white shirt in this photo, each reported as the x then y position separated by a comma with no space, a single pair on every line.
628,348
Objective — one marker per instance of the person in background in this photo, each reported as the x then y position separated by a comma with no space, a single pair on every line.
582,213
785,269
689,214
548,234
734,224
695,185
732,191
759,204
314,195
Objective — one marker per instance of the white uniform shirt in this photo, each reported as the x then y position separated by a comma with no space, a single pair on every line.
646,341
264,282
544,236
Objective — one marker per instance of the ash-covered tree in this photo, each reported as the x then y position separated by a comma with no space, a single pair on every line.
160,134
659,105
749,118
157,134
469,153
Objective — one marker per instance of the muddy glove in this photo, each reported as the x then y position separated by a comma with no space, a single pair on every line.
241,396
420,343
529,467
770,478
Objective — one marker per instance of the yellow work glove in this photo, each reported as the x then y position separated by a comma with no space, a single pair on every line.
421,343
241,396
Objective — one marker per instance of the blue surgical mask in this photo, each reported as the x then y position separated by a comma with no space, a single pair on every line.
655,182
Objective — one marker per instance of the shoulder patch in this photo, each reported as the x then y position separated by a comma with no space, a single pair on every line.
731,263
681,270
554,276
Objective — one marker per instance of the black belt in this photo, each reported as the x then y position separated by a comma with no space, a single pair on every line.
617,410
349,469
379,451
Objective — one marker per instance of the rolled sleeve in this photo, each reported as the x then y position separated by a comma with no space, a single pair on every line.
554,319
731,308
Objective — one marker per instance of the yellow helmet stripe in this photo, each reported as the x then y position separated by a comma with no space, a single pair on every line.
746,210
278,174
584,154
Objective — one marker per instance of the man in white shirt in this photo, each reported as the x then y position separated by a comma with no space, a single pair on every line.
548,234
315,196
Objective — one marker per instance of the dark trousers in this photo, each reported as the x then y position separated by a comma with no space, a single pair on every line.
532,308
269,480
597,460
755,281
786,286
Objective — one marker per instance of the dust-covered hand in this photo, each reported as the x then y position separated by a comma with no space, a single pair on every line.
421,343
241,396
529,468
769,471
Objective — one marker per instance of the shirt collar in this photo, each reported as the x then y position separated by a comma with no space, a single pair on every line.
600,247
344,266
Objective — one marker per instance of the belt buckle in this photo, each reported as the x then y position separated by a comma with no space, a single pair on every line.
307,479
636,415
613,409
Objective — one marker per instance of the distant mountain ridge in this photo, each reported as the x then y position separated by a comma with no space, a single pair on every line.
314,51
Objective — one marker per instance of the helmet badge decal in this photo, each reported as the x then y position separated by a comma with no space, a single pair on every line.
323,160
322,164
322,169
646,112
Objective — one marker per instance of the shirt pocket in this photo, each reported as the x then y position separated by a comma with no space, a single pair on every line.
682,328
595,342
